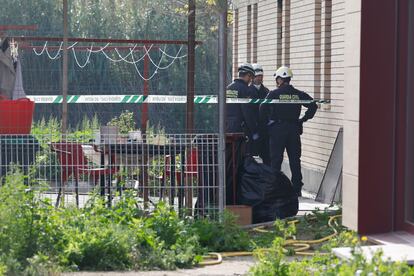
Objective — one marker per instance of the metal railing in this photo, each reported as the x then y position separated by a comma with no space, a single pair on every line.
180,169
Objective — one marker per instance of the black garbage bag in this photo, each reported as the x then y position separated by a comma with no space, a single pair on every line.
270,193
279,209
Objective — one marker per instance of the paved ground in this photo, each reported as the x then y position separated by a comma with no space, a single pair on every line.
230,266
307,204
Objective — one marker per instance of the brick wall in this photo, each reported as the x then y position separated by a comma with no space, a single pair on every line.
307,35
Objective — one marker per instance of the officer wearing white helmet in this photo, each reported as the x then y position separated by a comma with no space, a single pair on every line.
259,91
240,118
285,125
258,81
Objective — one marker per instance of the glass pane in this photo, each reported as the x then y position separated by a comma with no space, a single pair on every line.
409,188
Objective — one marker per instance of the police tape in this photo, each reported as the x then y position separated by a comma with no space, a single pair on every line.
140,99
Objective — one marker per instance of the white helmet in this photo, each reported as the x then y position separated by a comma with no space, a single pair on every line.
283,72
258,69
246,68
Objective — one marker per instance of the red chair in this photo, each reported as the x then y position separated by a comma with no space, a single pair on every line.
190,171
190,174
74,163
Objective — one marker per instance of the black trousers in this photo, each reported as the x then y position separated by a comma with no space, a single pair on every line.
251,147
263,145
285,135
235,152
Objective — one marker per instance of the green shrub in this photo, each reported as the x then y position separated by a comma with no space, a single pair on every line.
222,235
19,210
125,122
99,247
36,237
44,165
174,235
47,130
358,265
3,269
50,130
275,261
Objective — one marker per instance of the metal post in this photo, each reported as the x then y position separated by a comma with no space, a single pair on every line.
190,66
104,40
222,103
65,68
144,106
144,121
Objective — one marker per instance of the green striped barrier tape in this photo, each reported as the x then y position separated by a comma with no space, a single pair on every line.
139,99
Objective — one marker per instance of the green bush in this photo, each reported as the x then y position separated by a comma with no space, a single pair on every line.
36,237
3,269
125,122
275,260
99,248
19,211
222,235
47,130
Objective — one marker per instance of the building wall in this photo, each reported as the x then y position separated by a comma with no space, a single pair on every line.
307,35
351,113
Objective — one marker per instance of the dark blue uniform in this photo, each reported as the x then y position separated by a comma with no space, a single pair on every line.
241,117
285,128
263,142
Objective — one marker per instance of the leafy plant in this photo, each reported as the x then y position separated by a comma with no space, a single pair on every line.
47,130
85,130
36,237
99,248
125,122
222,235
3,269
45,165
276,261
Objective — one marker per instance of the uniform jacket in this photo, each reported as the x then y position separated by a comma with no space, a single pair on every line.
240,117
259,94
288,112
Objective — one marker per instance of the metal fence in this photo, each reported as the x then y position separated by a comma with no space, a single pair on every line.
180,169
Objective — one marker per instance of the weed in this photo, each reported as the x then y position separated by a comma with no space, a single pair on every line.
125,122
35,236
222,235
38,239
276,261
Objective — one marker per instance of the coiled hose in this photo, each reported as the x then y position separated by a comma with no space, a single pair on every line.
300,247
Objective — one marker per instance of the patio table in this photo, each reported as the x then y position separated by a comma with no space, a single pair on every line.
145,151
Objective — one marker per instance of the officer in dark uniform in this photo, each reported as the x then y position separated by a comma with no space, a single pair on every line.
259,91
242,117
285,125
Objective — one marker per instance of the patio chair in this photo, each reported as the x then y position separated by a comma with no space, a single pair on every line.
184,182
73,163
